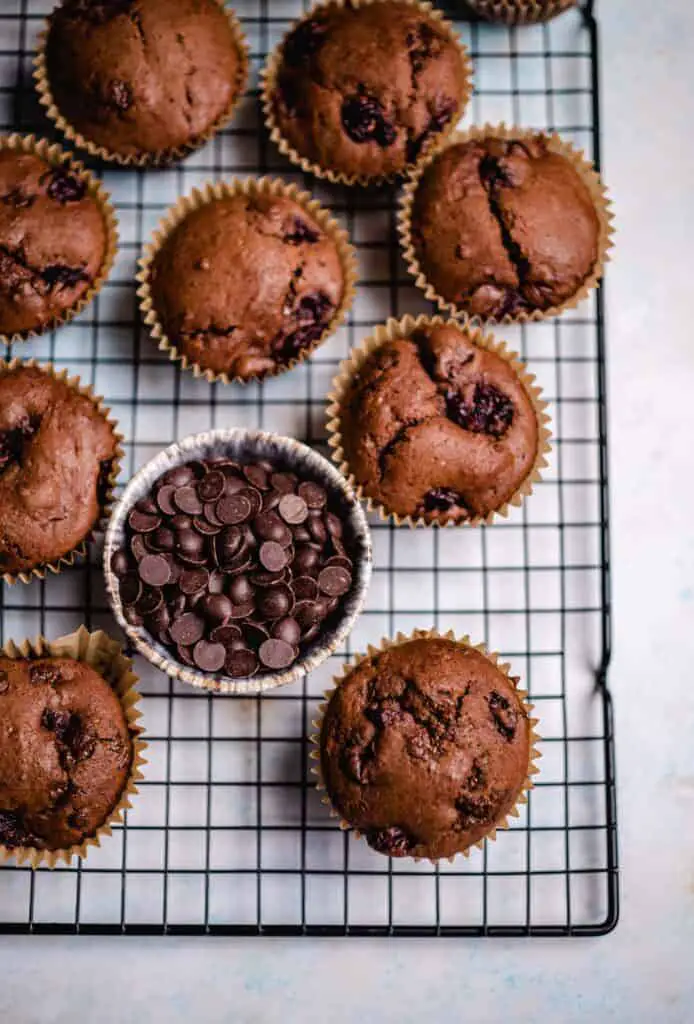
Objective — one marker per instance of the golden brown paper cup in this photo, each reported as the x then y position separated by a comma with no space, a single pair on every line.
402,638
393,330
589,177
268,87
255,188
161,158
40,571
519,12
105,656
57,157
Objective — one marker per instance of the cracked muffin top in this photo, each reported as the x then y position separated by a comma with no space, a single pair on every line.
435,426
56,454
245,284
503,227
53,241
360,90
424,748
65,752
143,77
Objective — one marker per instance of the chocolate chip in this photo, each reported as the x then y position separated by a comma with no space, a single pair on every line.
241,663
392,841
143,522
190,546
210,514
187,629
151,600
193,581
65,188
209,657
287,629
120,563
154,570
242,611
269,526
211,486
216,608
275,602
256,475
204,527
305,588
276,654
130,589
233,509
162,539
185,654
186,500
363,119
273,556
305,560
254,634
178,477
334,581
240,590
489,412
293,509
226,633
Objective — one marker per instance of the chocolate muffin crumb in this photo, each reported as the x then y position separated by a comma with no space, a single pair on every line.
436,426
424,748
361,90
65,752
502,227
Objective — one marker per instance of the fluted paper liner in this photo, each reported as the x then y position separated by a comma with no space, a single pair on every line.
55,156
161,158
396,329
402,638
106,657
254,188
268,87
244,445
519,12
69,559
588,176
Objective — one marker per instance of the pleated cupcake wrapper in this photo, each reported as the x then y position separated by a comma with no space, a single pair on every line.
161,158
588,176
66,561
57,157
268,88
243,445
519,12
253,188
393,330
106,657
402,638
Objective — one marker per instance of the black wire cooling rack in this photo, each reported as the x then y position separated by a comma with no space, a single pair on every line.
228,835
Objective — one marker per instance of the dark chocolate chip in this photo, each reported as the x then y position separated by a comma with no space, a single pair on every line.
287,629
204,527
65,188
187,629
392,841
240,590
186,500
193,581
334,580
256,475
241,663
143,522
185,654
233,509
274,602
216,608
130,589
272,556
305,588
178,477
209,657
490,411
120,563
242,611
254,634
190,546
276,654
293,509
226,634
211,486
306,614
269,526
151,600
364,120
305,560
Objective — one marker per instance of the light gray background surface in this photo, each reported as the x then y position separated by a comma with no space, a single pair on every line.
643,971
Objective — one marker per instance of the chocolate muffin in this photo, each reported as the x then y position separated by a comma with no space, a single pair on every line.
425,748
436,426
502,227
56,456
246,284
65,752
143,78
519,12
53,242
359,90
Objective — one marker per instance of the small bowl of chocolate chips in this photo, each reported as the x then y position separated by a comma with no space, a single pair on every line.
237,560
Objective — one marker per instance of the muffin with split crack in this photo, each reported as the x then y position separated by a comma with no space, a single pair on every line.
438,423
358,91
426,747
54,241
247,281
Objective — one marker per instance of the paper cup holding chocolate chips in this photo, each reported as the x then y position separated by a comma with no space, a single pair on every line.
237,560
426,746
245,279
359,92
60,455
519,12
67,228
437,423
505,225
70,743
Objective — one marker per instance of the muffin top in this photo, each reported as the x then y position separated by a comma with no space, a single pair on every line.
361,89
436,426
56,452
424,748
65,752
52,241
244,284
502,227
143,76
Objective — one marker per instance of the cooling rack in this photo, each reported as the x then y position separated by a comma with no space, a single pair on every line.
228,835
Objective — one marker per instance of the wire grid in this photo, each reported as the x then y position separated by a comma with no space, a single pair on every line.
228,834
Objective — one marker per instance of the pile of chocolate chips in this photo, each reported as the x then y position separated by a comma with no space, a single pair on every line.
234,568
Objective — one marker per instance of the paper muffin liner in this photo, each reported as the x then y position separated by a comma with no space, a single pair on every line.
57,157
160,158
106,657
253,188
41,571
519,12
244,445
268,85
588,175
465,642
394,330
